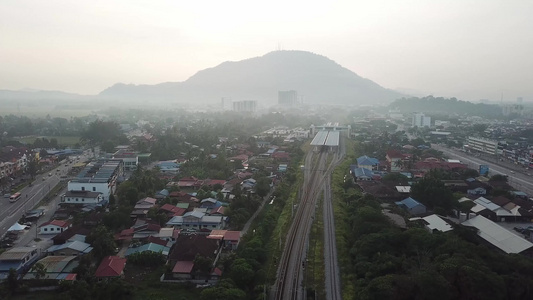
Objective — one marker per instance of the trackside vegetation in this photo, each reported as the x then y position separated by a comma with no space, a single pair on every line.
381,261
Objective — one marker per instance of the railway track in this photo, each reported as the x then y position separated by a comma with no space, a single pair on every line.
289,280
332,284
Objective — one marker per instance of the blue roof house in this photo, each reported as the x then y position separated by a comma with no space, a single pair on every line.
361,173
366,162
412,206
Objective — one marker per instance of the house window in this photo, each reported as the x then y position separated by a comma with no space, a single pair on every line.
82,200
76,199
83,188
45,229
94,189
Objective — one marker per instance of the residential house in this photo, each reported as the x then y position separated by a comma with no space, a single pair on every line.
486,208
361,174
197,220
187,248
434,223
72,233
169,235
151,247
190,183
73,248
111,267
162,194
217,211
412,206
210,203
142,231
230,239
379,190
248,184
368,163
171,210
54,227
168,167
19,258
476,187
56,267
141,208
456,185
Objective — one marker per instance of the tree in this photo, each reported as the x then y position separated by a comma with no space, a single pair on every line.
262,186
241,273
203,264
499,177
431,191
33,165
12,281
39,270
102,241
399,164
396,178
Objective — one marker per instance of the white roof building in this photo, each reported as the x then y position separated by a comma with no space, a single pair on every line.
434,222
498,236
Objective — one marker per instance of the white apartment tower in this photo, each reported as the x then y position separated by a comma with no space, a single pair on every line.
420,120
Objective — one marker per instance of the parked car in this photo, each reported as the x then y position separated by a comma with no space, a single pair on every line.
519,229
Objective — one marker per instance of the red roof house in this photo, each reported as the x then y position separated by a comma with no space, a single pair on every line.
54,226
111,266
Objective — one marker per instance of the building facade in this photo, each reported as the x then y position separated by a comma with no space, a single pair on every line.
483,145
287,97
99,176
421,120
245,106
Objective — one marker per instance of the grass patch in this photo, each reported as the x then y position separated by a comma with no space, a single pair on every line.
279,235
315,273
342,230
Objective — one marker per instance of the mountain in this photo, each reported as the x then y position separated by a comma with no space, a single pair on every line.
315,77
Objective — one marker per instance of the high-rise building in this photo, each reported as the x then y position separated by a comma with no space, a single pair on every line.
245,106
420,120
287,97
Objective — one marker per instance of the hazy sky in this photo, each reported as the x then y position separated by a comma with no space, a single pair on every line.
468,49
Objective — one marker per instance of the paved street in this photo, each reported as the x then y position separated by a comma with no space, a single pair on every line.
517,178
10,213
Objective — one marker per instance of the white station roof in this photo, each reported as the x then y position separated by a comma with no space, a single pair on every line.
326,138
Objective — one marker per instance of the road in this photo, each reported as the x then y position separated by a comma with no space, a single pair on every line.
517,179
10,213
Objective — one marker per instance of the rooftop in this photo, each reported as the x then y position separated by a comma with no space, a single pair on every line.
498,236
111,266
101,171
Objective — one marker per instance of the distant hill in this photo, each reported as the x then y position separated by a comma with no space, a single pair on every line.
441,105
315,77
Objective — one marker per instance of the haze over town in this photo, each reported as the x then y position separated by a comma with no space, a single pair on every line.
466,49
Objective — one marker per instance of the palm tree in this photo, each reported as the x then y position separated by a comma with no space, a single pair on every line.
399,164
